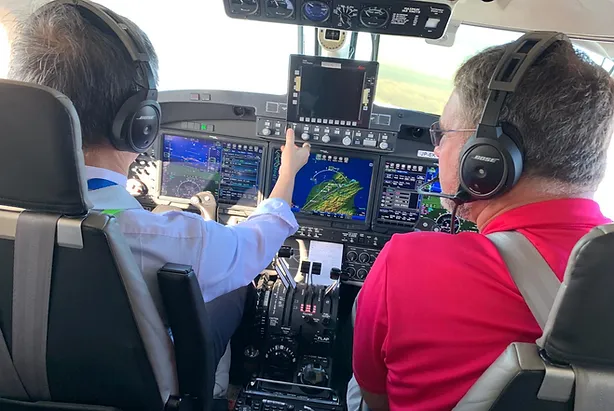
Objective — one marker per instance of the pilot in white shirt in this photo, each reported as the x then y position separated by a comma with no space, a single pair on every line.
224,258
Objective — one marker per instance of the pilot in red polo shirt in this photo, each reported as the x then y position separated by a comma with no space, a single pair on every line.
437,310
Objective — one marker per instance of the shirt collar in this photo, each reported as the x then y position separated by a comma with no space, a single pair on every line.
105,174
569,212
113,197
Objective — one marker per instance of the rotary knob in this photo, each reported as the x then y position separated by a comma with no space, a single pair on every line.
364,258
352,256
347,141
362,274
266,131
383,145
326,138
305,136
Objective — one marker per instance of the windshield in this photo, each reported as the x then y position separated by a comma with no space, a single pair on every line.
199,47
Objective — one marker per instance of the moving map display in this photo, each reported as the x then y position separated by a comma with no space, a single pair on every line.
332,186
230,171
400,204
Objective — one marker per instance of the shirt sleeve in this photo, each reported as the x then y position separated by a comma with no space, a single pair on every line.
232,256
371,330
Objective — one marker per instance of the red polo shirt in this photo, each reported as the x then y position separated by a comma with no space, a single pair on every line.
437,310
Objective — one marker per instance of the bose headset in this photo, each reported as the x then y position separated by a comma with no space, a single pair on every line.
137,123
492,159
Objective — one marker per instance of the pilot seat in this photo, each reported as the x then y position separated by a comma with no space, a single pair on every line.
79,329
571,367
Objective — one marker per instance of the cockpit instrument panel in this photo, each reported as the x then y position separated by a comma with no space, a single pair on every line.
405,18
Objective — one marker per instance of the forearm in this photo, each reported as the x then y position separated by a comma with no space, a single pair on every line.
284,187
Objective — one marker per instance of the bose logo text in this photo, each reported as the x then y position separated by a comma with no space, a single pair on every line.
146,118
486,159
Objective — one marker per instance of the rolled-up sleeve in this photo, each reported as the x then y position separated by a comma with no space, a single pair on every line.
232,256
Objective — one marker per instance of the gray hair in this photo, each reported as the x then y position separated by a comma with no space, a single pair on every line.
563,110
56,47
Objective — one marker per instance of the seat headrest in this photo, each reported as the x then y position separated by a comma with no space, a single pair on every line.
578,329
42,166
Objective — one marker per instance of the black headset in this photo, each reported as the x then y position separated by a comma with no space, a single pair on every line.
137,123
492,159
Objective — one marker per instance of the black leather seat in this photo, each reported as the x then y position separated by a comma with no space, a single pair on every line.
572,365
77,318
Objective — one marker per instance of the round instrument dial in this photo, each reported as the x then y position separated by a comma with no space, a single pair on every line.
244,7
445,221
374,17
187,189
316,11
280,357
282,9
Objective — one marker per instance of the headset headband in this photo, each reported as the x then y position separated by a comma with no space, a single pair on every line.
517,59
108,21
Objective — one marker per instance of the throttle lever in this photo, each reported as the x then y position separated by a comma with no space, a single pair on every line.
206,204
337,275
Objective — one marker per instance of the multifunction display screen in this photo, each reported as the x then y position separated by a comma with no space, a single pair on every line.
331,185
231,171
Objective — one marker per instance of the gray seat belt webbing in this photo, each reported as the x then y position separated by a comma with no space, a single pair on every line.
533,276
10,384
34,246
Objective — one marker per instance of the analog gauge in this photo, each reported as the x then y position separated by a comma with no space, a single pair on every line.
244,7
444,221
187,189
316,11
345,16
280,8
374,17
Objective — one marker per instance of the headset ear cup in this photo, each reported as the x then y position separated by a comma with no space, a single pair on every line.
137,124
483,169
490,167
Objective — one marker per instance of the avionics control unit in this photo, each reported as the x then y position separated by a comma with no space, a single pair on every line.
329,103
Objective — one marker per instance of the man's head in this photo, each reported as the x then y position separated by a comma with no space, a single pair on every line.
56,47
563,110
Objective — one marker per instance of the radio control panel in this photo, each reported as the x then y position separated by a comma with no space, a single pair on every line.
334,135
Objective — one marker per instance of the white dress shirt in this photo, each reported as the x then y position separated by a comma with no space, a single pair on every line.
224,258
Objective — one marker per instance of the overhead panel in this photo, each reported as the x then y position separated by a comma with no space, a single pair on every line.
404,18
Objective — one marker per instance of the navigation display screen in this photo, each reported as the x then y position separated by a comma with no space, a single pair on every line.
400,204
330,93
333,186
230,171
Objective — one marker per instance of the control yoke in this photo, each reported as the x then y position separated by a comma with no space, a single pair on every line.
206,204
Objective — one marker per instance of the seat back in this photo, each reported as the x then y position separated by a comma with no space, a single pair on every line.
75,313
572,365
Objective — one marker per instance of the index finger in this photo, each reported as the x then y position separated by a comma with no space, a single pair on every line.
290,137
